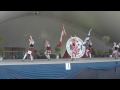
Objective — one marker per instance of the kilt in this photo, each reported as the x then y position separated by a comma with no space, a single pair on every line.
114,52
90,50
48,52
31,51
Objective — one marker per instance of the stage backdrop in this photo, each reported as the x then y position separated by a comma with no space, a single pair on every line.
14,32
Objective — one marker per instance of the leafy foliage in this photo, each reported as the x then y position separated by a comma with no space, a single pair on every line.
106,39
57,49
1,39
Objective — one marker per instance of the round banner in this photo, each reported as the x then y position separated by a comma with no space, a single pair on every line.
75,45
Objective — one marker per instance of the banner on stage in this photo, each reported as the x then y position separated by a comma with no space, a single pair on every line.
79,49
68,66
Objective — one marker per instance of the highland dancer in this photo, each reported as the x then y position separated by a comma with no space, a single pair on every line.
75,48
89,50
115,50
47,49
88,41
31,49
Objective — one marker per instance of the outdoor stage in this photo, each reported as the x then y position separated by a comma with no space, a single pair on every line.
84,68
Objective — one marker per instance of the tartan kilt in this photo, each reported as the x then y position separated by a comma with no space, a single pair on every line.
48,52
90,50
32,50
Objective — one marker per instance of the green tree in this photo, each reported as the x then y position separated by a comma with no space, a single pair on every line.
1,39
1,49
107,42
57,50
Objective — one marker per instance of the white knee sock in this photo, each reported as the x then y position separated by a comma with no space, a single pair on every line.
86,54
25,56
57,57
89,55
31,57
73,56
48,56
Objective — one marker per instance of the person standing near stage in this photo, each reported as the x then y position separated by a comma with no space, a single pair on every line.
47,49
89,50
30,50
